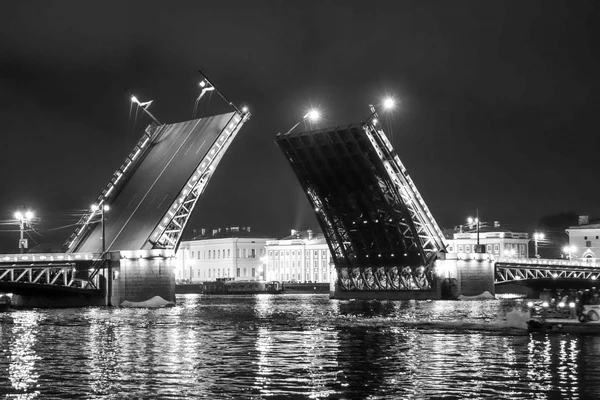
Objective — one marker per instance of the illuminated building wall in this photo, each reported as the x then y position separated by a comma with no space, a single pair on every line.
498,243
301,257
586,239
209,258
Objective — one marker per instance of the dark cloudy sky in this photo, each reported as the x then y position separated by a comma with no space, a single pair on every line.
499,99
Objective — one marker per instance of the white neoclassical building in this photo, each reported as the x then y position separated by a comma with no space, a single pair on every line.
229,253
301,257
585,239
497,241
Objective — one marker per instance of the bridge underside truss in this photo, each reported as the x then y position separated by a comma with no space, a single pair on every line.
507,272
377,226
56,275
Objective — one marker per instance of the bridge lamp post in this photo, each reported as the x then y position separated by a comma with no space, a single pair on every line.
23,218
102,209
312,115
569,250
536,237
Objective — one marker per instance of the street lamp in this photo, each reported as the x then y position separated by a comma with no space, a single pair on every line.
475,222
145,105
24,219
537,236
312,115
102,209
569,250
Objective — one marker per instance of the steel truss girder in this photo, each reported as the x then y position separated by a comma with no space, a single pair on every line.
167,233
427,230
59,275
91,218
505,272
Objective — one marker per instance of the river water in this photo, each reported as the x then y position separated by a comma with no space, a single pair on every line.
293,346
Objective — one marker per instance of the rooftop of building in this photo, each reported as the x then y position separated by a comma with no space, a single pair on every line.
223,233
586,223
308,235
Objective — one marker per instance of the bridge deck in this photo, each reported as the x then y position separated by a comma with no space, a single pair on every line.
151,189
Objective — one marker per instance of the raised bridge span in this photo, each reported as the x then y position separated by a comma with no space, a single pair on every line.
126,251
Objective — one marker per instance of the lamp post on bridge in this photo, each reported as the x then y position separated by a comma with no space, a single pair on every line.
24,219
536,237
104,208
569,250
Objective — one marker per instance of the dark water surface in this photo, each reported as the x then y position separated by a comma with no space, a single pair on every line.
293,346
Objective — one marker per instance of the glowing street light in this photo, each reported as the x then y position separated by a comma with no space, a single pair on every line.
569,250
102,209
389,103
144,106
245,109
536,237
24,219
313,115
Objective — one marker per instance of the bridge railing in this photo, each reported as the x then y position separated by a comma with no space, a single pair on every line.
55,275
48,257
548,262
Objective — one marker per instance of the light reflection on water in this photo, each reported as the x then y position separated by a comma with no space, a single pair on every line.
278,346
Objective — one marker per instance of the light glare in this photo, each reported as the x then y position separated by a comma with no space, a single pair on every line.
313,115
389,103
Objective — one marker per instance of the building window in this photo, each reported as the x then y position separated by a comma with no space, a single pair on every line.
496,248
214,252
585,238
244,252
237,272
253,255
467,248
489,248
270,254
192,254
219,254
228,253
460,248
588,243
253,271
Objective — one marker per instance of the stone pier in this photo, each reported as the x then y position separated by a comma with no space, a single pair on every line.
140,275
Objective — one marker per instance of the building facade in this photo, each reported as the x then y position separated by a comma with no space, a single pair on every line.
585,238
498,242
301,257
234,253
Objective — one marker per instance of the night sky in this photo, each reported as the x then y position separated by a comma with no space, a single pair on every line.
499,101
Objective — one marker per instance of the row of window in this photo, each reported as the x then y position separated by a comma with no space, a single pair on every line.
520,248
214,254
225,273
298,277
297,253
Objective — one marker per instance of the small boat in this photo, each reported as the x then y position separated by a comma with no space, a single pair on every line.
587,321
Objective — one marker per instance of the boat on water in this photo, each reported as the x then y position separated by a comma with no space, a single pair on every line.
587,320
228,286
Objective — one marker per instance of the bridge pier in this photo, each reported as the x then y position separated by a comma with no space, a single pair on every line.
140,275
465,275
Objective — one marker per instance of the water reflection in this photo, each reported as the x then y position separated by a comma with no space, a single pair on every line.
22,370
271,346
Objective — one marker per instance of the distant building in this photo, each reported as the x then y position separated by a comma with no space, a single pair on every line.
301,257
585,238
499,242
229,253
